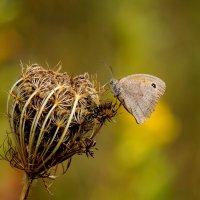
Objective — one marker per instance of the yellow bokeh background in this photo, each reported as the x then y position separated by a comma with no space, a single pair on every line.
158,160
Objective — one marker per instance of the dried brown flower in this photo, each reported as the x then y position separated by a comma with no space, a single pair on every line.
52,117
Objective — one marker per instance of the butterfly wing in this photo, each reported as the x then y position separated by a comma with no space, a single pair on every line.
139,94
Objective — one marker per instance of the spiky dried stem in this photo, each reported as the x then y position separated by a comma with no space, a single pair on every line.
63,134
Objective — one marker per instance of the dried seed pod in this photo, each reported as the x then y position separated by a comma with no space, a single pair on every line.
53,116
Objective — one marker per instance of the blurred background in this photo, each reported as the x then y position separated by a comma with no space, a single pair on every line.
159,160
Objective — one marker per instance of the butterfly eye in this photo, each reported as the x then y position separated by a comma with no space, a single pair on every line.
153,85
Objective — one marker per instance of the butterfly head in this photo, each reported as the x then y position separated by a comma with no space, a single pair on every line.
115,87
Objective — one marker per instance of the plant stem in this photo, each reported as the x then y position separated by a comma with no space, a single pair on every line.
26,188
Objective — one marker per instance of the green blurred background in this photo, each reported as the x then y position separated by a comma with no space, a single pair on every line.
159,160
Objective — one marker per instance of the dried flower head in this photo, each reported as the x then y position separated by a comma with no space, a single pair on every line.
53,116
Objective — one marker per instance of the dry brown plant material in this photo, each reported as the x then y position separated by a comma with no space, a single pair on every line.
53,116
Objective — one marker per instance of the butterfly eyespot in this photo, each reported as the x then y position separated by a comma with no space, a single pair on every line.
153,85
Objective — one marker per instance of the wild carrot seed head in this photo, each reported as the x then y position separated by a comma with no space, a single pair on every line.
54,116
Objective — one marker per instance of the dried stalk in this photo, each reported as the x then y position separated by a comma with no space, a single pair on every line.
26,187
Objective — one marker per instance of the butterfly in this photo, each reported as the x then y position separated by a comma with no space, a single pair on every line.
139,94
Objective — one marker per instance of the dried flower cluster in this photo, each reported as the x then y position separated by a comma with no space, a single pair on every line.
53,116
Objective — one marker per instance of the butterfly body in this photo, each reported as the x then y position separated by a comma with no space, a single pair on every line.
139,94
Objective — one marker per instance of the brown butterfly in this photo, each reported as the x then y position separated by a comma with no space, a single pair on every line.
139,94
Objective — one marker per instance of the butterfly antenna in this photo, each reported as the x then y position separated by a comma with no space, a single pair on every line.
110,71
